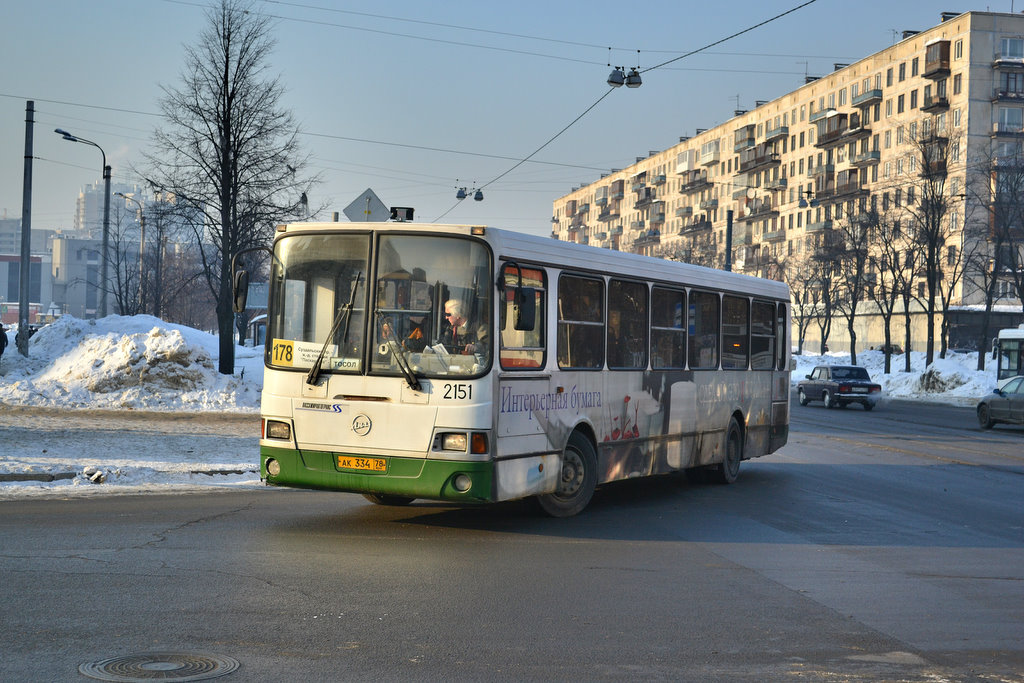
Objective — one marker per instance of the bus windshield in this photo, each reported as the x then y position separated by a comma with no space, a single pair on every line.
430,314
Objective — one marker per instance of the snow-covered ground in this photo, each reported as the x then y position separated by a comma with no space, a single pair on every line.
141,363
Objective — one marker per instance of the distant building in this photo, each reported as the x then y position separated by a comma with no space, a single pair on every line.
787,171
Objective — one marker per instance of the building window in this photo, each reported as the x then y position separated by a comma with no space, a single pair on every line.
913,66
888,77
888,139
888,107
899,104
913,98
842,95
1011,48
956,118
903,72
1011,83
956,84
1011,119
958,49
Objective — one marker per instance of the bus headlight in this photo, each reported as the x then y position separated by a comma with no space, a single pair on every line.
278,430
273,467
462,483
454,441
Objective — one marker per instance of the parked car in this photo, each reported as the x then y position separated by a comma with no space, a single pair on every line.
1003,405
839,385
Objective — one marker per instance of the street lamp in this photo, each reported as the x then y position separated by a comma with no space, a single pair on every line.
106,215
142,248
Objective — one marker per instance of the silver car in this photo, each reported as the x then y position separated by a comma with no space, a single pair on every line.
1003,405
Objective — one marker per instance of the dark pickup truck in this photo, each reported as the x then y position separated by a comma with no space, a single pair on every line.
838,385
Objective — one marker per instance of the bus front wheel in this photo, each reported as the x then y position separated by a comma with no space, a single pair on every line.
577,479
729,469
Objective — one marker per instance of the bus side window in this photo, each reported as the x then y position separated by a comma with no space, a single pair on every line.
781,345
703,321
523,349
762,336
735,345
627,325
668,336
580,322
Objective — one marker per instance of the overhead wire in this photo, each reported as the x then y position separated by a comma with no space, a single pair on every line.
610,89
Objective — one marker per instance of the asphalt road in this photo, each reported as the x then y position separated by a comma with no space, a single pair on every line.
882,546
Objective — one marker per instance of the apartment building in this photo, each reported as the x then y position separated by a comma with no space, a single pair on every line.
773,182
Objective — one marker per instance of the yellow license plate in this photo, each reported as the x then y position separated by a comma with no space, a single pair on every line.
350,462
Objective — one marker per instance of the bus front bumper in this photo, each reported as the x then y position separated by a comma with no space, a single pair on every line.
410,477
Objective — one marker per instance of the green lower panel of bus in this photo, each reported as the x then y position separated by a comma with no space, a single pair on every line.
410,477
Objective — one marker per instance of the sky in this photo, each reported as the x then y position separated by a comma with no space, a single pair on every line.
140,363
414,100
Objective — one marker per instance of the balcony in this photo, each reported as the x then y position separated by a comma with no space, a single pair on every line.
935,103
648,238
868,98
823,170
694,182
857,128
617,230
849,188
820,114
636,225
645,197
658,179
570,208
578,221
708,157
601,200
832,137
820,226
776,133
933,168
1002,129
1005,63
866,158
757,211
684,212
936,60
743,138
608,214
1004,95
742,234
758,161
774,236
709,205
777,184
699,225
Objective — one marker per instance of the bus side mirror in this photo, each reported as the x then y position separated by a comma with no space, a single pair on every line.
524,309
240,289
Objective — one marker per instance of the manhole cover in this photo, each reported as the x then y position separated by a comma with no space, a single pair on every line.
160,666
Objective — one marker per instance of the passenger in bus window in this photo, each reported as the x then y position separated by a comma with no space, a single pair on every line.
460,336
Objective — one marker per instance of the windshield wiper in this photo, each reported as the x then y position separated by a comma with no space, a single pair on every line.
400,360
344,314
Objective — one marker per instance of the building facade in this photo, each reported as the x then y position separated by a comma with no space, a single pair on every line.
775,182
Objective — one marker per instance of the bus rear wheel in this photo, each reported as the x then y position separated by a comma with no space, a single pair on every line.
728,470
577,479
387,499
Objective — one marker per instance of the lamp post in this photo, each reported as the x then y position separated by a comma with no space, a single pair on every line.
106,215
142,248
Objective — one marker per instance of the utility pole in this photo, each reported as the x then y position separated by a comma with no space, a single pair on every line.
26,233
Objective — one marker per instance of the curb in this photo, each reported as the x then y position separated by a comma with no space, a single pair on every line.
55,476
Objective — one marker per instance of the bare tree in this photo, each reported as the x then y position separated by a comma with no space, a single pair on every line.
928,213
887,272
229,149
801,279
851,252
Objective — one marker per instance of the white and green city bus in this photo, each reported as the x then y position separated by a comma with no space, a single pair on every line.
585,366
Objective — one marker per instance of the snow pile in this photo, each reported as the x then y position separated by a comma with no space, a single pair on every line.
129,363
954,379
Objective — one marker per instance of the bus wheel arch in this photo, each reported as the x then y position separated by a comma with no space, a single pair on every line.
577,477
727,471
